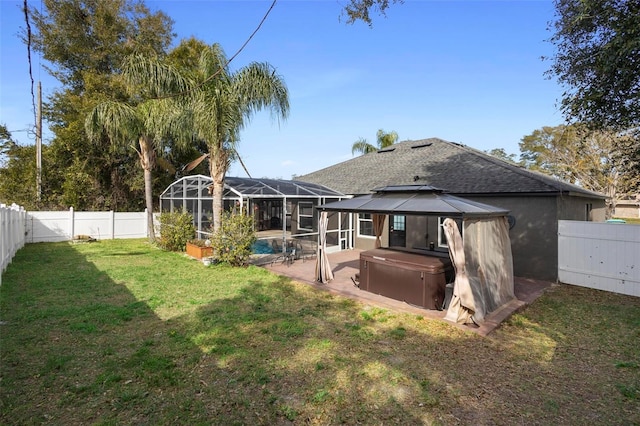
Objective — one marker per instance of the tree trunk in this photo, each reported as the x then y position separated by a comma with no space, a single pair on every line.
147,161
612,195
218,168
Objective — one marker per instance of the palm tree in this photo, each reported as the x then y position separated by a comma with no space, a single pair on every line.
148,118
384,140
224,103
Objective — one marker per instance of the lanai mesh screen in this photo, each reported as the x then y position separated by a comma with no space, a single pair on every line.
191,194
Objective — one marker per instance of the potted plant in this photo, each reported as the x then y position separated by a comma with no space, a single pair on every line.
199,248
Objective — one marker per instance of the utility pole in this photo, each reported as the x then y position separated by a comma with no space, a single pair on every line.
39,145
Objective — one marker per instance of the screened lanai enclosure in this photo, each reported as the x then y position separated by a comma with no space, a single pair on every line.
282,209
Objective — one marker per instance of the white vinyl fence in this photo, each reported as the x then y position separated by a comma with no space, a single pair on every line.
12,235
66,225
604,256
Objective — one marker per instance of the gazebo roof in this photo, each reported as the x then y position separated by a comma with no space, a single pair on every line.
414,200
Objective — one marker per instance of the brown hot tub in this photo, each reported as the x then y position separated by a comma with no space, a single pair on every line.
418,279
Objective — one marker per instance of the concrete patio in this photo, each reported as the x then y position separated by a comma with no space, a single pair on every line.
345,264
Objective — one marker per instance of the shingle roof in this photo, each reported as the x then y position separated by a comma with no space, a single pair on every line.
453,167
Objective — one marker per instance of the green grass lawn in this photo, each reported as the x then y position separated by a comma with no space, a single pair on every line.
631,220
119,332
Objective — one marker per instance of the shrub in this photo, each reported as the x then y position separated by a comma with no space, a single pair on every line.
232,243
175,230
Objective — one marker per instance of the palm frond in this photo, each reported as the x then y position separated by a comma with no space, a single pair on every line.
156,78
118,120
166,165
213,65
386,139
362,146
259,87
195,163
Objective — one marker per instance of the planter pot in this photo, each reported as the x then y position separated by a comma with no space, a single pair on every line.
199,252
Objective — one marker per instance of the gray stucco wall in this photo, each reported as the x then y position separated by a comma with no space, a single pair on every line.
422,230
417,231
534,238
575,208
334,223
368,243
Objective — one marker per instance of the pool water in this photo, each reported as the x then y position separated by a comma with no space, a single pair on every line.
261,247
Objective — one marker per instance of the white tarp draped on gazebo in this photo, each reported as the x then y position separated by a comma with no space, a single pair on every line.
378,227
462,305
484,268
324,274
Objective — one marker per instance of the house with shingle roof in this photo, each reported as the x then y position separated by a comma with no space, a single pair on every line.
536,201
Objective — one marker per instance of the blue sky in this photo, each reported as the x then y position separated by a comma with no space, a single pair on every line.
464,71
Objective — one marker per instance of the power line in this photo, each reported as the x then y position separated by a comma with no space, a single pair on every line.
206,80
26,20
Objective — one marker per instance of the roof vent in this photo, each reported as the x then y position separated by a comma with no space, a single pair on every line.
422,145
387,150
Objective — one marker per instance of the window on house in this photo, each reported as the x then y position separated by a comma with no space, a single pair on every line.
399,223
442,238
305,215
365,225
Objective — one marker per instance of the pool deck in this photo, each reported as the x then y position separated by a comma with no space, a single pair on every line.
345,264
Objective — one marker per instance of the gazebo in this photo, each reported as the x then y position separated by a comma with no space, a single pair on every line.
478,244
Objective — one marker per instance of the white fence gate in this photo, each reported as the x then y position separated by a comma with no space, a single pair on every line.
604,256
12,238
